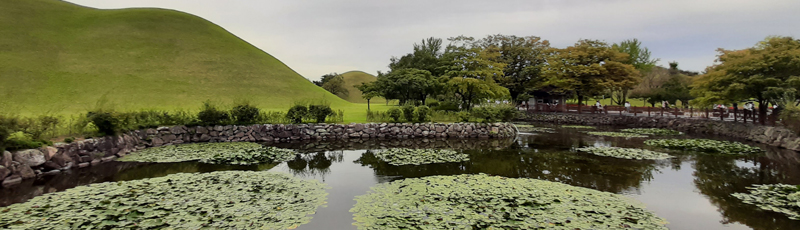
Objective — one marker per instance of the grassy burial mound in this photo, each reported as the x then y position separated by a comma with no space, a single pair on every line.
63,58
353,78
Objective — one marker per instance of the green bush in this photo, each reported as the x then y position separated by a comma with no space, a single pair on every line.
271,117
319,112
244,113
790,117
464,116
492,113
69,140
297,113
106,122
408,112
211,115
3,136
394,114
20,140
446,106
423,114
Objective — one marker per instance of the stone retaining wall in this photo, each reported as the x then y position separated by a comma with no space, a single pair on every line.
26,164
775,136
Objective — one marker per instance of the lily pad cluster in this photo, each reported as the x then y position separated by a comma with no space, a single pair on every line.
653,131
538,130
523,126
251,156
780,198
402,156
625,153
492,202
577,127
705,145
616,134
221,153
216,200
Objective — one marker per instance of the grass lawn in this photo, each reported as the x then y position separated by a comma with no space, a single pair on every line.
60,58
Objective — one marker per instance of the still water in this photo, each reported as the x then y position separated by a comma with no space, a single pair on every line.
691,191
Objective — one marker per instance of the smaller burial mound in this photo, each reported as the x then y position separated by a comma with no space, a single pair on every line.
782,198
403,156
705,145
216,200
616,134
652,131
492,202
241,153
625,153
577,127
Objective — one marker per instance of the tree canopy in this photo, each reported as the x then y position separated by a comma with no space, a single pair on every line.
523,57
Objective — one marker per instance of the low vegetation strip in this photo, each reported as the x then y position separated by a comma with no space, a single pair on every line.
652,131
402,156
577,127
491,202
216,200
625,153
616,134
705,145
780,198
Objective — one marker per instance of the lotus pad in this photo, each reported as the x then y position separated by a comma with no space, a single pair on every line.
616,134
625,153
400,156
781,198
220,153
226,200
705,145
652,131
491,202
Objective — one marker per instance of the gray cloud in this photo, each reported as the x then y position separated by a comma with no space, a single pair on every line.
318,37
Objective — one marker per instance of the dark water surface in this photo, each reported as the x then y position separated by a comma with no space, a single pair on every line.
691,191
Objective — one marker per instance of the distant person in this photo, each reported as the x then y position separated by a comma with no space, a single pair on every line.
628,107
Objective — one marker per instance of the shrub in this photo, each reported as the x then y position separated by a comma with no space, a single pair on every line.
394,114
319,112
106,122
69,140
20,140
211,115
297,113
3,136
464,116
446,106
423,114
491,113
408,112
244,113
790,117
271,117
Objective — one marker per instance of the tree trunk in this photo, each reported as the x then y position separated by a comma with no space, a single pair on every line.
368,104
762,110
580,102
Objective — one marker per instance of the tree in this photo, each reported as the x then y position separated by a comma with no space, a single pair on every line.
762,72
471,70
336,86
368,91
639,58
523,57
588,68
661,84
325,78
405,85
424,57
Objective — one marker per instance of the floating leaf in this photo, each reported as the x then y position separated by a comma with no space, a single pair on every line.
780,198
625,153
577,127
705,145
616,134
401,156
491,202
653,131
242,153
218,200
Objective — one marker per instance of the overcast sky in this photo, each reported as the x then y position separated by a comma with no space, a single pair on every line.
319,37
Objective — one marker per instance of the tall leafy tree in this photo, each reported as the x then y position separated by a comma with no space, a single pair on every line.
425,56
589,68
407,85
471,70
335,85
523,57
325,78
639,58
763,72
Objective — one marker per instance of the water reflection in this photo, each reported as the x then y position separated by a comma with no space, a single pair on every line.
691,190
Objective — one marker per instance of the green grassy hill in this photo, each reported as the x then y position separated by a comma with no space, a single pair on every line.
61,58
353,78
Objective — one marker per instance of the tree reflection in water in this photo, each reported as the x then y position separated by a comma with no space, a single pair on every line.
717,177
314,164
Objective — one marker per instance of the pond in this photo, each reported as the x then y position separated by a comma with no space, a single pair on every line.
690,190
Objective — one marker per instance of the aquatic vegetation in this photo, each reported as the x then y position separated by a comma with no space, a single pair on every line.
251,156
625,153
218,153
577,127
216,200
616,134
523,126
402,156
531,128
705,145
652,131
780,198
482,201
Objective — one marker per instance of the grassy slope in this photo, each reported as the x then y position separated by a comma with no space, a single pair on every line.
62,58
353,78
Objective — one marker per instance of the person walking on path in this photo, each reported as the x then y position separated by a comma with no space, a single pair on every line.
628,107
